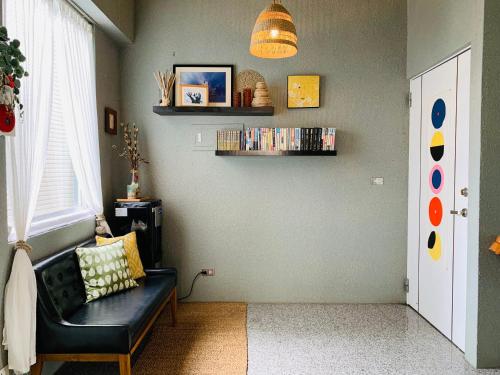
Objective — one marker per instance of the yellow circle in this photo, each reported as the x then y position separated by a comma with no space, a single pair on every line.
435,251
437,139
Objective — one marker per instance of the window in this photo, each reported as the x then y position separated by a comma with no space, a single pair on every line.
59,198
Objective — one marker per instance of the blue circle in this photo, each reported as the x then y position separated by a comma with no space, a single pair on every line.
436,179
438,113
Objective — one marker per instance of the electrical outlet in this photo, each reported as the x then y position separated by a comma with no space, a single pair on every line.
377,180
5,370
208,271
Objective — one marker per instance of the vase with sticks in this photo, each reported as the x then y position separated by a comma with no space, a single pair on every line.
165,83
131,152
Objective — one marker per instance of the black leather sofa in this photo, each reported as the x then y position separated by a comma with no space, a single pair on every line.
108,329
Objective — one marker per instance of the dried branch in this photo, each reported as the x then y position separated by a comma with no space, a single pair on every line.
130,150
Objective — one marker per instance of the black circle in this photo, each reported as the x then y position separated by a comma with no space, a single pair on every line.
432,240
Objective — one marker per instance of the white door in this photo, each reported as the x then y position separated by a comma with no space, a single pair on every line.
437,195
461,193
437,180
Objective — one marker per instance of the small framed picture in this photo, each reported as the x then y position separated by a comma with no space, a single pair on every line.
303,91
218,79
110,121
194,95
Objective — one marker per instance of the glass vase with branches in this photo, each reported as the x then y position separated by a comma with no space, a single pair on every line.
130,151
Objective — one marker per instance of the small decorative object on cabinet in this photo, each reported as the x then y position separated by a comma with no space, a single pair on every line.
274,35
131,153
276,142
11,73
194,95
219,79
261,96
495,246
110,121
303,91
165,83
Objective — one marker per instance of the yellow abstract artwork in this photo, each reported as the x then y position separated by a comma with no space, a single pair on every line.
303,91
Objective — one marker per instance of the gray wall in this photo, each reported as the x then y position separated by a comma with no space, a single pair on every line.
488,350
115,17
437,29
120,13
108,94
281,229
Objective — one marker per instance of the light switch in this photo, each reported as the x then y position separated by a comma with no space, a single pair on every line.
198,138
377,180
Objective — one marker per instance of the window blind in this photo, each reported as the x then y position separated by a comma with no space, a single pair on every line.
59,190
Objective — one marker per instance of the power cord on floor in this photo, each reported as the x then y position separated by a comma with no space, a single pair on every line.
192,285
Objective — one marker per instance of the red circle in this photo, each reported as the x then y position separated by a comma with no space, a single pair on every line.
435,211
7,119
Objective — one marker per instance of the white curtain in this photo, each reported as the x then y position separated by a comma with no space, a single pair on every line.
55,40
27,21
76,63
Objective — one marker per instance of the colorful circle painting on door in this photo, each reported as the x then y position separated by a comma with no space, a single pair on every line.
437,146
435,211
438,113
436,179
434,245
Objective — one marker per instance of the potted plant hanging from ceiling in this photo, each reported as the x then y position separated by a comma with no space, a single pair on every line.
11,73
131,153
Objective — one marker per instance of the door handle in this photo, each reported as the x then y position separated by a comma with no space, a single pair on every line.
462,212
464,192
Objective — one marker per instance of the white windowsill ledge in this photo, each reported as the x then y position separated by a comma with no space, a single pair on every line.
56,221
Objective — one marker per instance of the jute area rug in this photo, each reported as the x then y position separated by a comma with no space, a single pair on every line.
209,339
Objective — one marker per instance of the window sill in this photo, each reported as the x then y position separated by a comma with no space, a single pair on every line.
51,223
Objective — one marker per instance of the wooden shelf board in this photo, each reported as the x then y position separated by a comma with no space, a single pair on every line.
275,153
213,111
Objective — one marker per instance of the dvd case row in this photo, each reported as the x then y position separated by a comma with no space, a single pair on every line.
276,139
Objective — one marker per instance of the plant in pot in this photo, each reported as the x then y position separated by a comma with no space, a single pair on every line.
131,153
11,73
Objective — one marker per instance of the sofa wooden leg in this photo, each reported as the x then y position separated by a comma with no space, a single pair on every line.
125,366
36,369
173,306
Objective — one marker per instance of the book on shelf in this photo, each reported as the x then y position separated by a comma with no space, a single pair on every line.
276,139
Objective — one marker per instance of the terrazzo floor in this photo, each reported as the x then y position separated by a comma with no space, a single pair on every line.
320,339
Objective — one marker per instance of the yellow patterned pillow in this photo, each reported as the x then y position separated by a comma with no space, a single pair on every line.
131,250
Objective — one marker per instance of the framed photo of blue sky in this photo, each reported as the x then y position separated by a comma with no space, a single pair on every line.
219,79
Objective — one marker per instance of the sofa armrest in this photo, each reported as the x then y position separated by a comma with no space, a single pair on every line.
167,271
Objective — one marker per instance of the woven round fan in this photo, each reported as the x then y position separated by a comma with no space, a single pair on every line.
248,78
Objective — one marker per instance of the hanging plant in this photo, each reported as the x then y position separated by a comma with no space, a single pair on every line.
11,73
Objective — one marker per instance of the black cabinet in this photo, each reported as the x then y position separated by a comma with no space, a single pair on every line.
145,218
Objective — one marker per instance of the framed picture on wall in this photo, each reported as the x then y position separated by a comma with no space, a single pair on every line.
218,79
194,95
303,91
110,121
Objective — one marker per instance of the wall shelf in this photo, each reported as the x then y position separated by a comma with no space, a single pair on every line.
213,111
275,153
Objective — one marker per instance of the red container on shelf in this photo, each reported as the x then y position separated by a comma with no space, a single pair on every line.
247,97
237,99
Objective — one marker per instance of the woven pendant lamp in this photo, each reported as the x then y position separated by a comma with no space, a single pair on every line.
274,35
